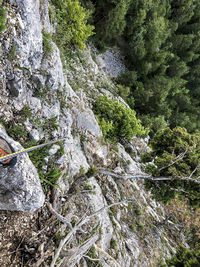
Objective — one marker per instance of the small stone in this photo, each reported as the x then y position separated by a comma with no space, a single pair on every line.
35,135
15,87
54,149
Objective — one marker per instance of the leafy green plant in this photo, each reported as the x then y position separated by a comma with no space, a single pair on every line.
47,46
48,177
3,17
15,130
117,122
138,211
113,244
62,99
185,257
12,52
91,171
123,91
40,91
25,113
72,27
51,123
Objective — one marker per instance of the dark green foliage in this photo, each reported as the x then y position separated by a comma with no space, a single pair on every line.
3,16
16,130
116,19
113,244
25,113
91,171
117,122
161,42
185,257
176,154
123,91
48,177
51,124
72,27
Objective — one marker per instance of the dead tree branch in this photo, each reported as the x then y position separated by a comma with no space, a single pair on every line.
68,237
124,177
148,177
78,253
59,217
179,157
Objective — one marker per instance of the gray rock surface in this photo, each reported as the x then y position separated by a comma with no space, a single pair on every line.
20,187
111,62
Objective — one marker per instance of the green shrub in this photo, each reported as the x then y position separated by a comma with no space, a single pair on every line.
47,46
3,17
116,121
123,91
72,27
154,123
176,155
146,157
185,257
138,211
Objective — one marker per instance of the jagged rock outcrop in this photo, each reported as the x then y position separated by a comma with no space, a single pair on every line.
20,187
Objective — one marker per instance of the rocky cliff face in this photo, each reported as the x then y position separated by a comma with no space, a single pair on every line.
41,99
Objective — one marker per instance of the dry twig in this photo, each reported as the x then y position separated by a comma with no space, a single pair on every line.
68,237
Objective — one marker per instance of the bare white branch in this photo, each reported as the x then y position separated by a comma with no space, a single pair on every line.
68,237
59,217
121,176
148,177
87,257
77,253
194,171
179,157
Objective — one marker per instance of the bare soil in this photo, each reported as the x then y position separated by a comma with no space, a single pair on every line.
26,239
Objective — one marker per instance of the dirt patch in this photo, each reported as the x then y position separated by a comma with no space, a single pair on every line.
26,239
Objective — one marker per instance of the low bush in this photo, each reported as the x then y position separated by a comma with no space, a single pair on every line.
176,155
117,121
72,27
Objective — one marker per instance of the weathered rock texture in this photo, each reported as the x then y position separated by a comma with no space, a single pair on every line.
20,187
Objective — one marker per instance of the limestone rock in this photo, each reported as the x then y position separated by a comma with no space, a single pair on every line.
20,187
111,62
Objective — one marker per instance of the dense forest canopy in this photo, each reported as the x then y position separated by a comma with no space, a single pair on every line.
161,43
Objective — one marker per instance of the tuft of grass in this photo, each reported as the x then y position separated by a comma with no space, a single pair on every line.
138,211
113,244
91,171
51,124
47,46
26,113
48,177
3,17
16,130
12,52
